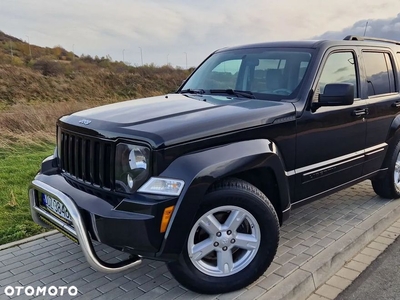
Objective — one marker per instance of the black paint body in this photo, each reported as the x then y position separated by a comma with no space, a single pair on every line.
309,154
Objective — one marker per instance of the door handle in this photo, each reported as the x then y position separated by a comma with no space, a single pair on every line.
359,112
396,104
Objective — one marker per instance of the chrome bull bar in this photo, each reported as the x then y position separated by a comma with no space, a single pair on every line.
78,230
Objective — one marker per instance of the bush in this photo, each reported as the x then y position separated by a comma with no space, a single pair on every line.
17,61
48,67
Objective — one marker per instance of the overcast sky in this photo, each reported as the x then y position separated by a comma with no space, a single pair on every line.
165,29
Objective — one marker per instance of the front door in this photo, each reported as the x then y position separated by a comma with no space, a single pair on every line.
331,141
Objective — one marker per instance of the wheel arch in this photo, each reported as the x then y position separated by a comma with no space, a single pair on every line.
392,139
264,178
394,128
202,169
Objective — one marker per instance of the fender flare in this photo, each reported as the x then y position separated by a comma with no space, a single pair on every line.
394,128
392,137
199,170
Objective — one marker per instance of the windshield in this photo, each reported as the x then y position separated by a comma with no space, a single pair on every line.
263,73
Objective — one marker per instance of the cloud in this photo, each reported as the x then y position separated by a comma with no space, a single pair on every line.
382,28
165,29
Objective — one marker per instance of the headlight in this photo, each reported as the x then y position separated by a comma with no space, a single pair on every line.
131,167
163,186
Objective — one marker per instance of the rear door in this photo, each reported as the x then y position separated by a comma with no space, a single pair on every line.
381,91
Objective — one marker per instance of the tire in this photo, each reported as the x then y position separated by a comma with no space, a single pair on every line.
235,255
388,186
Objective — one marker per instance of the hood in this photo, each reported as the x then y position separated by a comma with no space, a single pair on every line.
176,118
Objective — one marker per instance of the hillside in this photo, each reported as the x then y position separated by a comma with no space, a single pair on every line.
40,84
37,86
32,73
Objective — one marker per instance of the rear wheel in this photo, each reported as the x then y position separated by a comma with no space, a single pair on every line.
389,185
232,241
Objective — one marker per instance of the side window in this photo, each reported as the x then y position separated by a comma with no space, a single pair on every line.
339,68
391,72
379,71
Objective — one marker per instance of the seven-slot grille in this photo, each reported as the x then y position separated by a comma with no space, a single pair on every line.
88,159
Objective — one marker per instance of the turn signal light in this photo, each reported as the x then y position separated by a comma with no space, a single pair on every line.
165,218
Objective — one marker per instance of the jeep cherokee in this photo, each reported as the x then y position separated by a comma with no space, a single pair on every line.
203,178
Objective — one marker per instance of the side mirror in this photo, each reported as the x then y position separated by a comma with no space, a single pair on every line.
335,94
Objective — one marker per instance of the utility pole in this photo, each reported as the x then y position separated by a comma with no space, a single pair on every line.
29,45
186,59
167,59
141,55
365,30
123,55
11,49
73,52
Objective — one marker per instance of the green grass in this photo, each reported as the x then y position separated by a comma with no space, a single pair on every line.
18,166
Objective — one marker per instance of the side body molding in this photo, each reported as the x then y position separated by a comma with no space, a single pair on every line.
201,169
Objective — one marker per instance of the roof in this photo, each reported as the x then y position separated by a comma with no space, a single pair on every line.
313,44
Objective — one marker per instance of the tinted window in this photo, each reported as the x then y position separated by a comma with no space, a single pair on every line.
261,71
267,73
224,75
302,70
390,70
380,77
339,68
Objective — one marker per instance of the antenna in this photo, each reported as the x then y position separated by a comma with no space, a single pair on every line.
365,30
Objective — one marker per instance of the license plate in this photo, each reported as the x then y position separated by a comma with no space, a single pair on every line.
56,206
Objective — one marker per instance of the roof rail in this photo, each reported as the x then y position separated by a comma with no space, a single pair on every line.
366,38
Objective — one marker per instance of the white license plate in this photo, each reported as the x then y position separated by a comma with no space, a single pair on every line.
56,207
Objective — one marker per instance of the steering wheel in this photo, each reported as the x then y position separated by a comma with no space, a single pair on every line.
285,92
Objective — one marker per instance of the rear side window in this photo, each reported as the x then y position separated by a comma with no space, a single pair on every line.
379,71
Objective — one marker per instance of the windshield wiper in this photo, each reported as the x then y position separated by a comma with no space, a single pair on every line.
245,94
193,91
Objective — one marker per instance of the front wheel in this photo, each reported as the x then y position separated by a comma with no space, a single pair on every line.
232,241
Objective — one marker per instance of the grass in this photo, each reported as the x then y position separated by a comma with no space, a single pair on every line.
35,90
18,166
27,136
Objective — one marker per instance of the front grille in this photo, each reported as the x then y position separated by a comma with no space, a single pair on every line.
87,159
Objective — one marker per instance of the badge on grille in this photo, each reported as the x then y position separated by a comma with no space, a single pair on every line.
85,122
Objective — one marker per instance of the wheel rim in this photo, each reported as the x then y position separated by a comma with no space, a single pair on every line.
397,173
224,241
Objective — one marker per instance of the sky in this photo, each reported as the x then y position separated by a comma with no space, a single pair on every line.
171,31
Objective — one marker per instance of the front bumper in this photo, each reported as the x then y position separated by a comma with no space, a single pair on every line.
78,230
130,224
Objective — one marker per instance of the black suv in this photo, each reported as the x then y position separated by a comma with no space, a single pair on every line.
203,178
